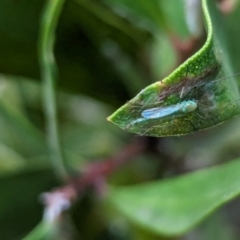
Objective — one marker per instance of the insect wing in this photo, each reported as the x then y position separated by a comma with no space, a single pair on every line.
155,113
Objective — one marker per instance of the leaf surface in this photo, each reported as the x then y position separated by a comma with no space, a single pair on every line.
201,78
174,206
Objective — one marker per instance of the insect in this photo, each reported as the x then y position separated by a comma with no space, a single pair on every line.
164,112
161,112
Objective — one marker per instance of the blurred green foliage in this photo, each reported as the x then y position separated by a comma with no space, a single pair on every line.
106,52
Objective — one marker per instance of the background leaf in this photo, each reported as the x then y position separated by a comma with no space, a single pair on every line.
82,34
107,51
19,206
174,206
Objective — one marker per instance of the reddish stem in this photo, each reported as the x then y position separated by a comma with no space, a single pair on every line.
102,169
94,175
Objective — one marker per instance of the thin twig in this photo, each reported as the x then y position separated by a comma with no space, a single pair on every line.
48,66
60,199
100,170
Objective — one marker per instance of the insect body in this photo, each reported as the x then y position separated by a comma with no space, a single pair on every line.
161,112
183,107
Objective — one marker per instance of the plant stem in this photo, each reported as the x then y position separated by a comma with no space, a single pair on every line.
94,175
48,66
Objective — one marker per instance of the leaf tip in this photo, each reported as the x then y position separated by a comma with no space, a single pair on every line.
112,118
109,118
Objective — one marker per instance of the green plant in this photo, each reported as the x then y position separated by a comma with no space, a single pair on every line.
90,58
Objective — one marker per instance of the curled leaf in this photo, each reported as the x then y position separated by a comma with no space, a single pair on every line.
199,80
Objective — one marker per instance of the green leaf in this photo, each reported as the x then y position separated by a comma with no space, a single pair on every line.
43,231
192,81
17,124
150,10
20,209
174,206
154,15
81,36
